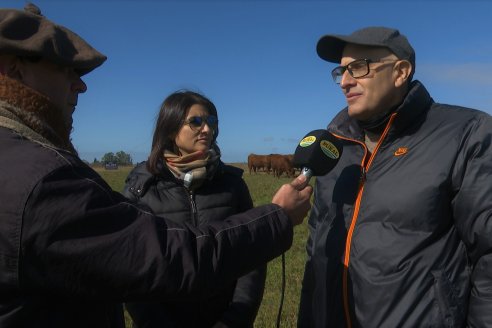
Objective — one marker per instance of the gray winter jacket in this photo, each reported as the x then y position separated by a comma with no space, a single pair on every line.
402,237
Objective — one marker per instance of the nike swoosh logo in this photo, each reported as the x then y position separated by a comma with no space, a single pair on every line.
401,151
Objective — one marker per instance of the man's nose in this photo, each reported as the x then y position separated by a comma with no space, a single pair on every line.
347,80
79,86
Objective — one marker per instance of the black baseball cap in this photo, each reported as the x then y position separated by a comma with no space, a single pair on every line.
330,47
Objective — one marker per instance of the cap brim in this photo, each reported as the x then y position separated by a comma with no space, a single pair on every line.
330,47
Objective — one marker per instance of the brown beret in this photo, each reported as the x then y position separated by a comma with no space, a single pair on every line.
29,34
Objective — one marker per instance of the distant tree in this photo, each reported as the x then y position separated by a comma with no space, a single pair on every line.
120,158
108,158
95,162
123,158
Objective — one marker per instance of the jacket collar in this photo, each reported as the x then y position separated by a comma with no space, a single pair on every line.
415,105
35,111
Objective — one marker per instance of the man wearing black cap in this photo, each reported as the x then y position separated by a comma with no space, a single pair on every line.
400,230
71,249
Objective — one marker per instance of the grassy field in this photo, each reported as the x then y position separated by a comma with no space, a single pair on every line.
262,187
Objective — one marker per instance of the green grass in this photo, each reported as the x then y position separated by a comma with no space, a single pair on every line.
262,188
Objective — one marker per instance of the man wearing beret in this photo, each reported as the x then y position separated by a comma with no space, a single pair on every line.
401,229
71,249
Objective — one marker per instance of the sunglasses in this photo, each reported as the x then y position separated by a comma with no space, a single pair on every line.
197,122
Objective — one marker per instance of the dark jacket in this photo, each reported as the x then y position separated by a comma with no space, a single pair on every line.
70,247
403,237
223,195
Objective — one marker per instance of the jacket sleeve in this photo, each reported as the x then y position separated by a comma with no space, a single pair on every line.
472,208
137,182
248,293
79,238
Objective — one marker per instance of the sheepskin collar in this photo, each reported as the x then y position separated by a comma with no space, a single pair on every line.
32,115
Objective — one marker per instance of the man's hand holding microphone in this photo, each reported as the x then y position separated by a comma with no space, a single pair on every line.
294,198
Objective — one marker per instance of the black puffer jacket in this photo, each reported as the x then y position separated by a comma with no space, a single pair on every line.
218,198
71,248
403,237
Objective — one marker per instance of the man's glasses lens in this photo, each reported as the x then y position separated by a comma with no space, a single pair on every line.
337,73
357,68
197,122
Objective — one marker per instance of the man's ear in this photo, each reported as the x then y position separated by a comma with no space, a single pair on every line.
402,70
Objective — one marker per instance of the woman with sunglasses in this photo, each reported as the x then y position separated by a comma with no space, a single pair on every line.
185,180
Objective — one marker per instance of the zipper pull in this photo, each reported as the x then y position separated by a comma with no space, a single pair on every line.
187,179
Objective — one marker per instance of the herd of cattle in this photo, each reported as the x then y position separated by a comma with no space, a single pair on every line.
275,163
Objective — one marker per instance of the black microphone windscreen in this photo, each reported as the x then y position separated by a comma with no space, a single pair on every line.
319,150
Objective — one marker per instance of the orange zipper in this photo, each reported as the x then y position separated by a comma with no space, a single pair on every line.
355,215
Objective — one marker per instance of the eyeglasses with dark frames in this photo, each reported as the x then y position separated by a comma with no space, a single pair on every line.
197,122
357,68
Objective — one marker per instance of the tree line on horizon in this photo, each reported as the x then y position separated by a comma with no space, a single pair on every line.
119,158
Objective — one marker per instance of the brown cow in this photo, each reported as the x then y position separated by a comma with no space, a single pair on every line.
291,159
257,162
251,163
280,164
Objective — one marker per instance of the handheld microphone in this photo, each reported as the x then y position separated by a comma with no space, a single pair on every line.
317,153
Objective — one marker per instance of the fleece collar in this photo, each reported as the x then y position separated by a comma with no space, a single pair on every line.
32,115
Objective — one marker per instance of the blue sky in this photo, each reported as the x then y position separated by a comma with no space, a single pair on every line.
256,60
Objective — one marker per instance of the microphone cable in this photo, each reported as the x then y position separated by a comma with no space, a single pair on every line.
282,292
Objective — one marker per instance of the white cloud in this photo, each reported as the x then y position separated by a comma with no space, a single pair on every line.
477,74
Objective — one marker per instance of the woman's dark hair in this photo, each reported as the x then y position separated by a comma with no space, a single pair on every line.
170,119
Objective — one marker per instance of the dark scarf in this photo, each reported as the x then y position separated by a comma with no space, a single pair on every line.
32,115
378,123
